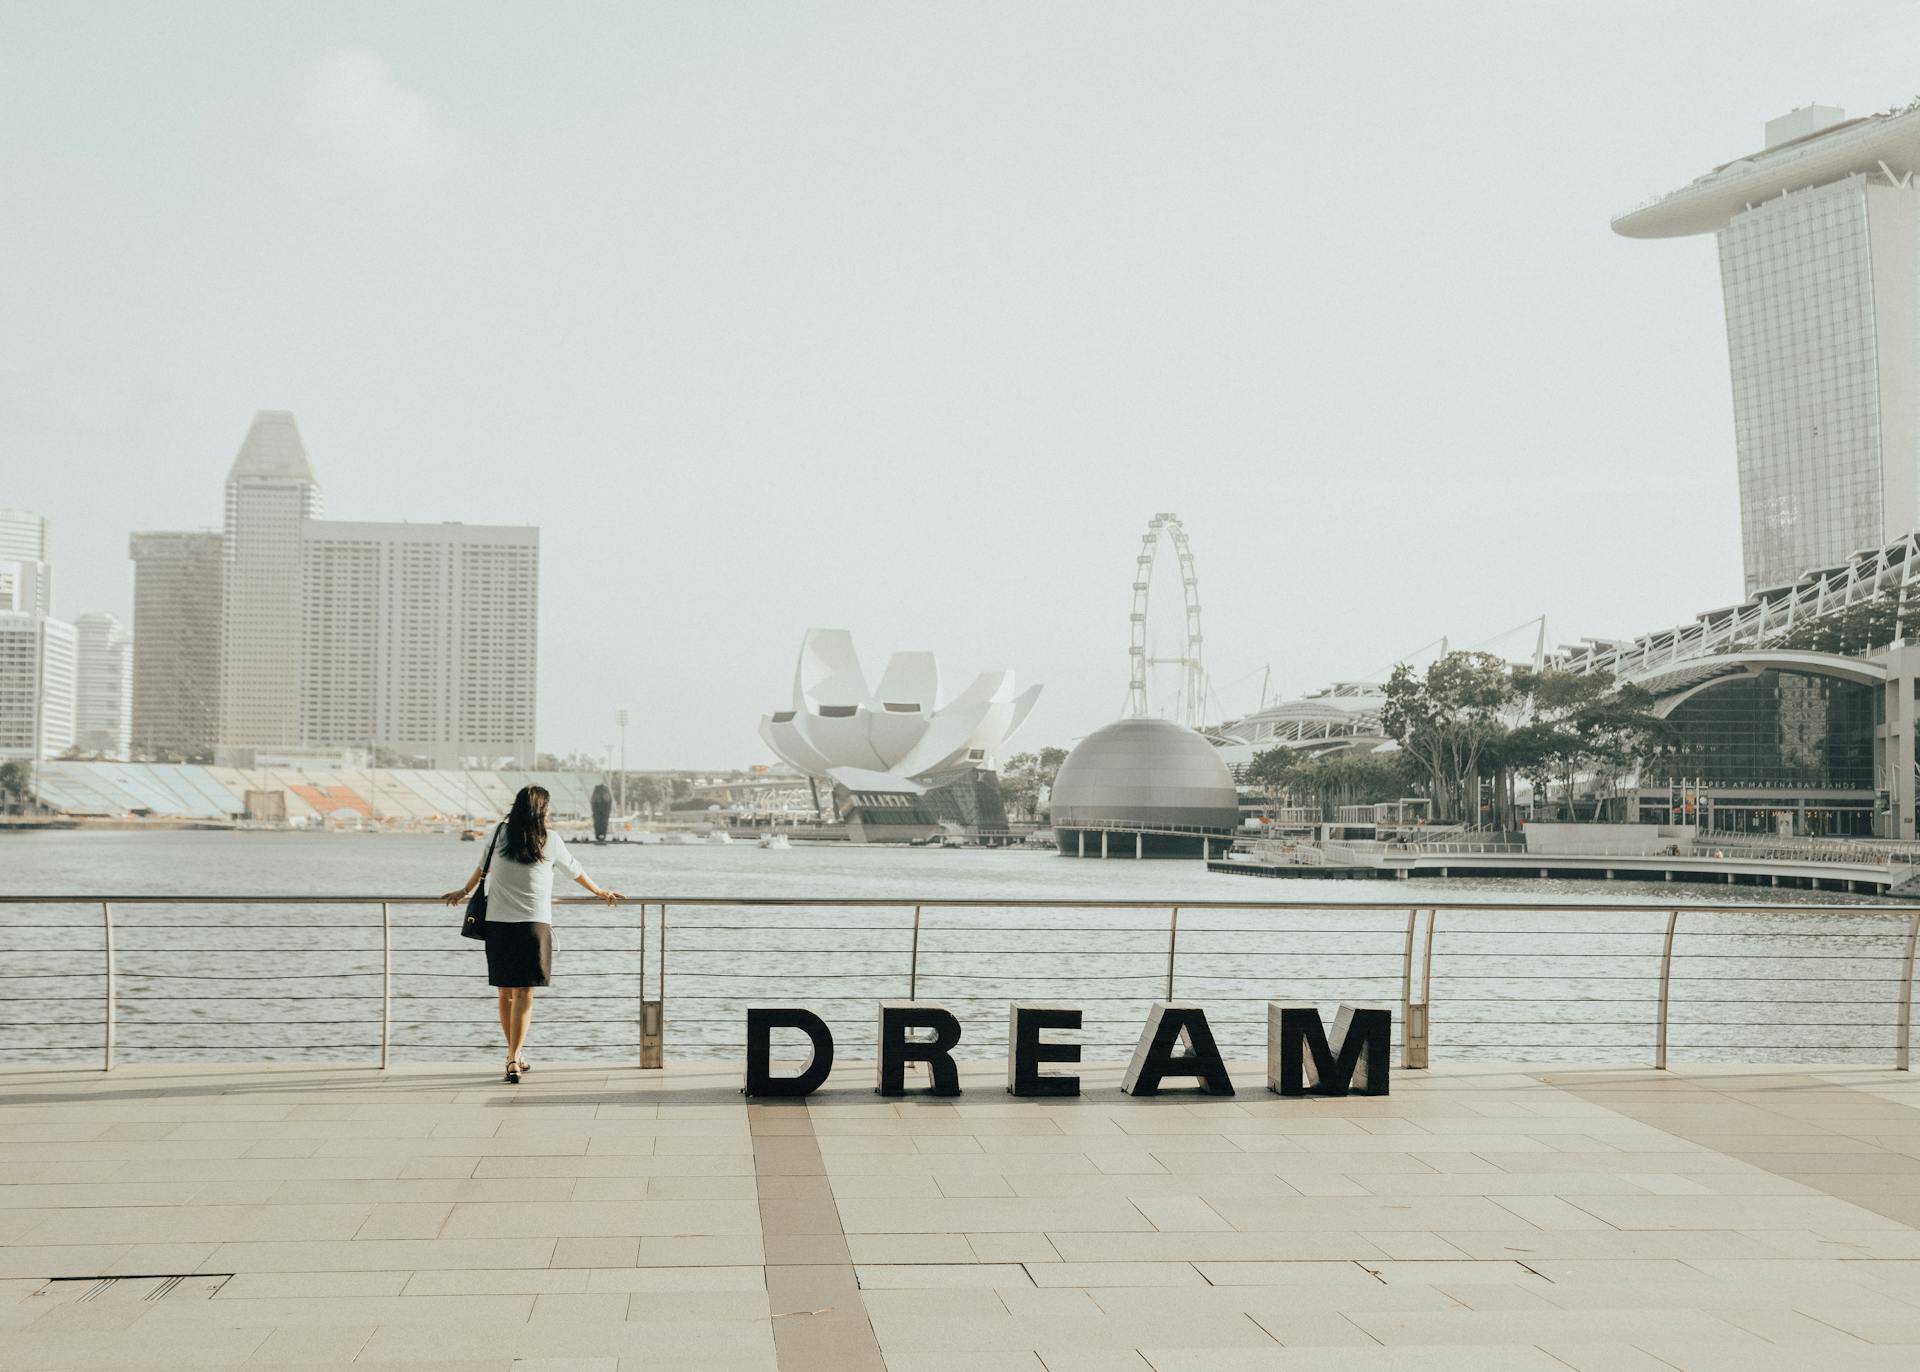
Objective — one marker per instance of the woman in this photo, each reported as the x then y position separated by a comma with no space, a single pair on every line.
519,867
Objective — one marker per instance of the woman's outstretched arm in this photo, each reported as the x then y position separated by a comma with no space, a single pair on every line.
455,897
610,897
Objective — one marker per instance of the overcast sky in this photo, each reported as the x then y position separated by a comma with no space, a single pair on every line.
906,318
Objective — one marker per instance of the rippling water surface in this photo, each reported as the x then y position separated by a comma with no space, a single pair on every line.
1521,974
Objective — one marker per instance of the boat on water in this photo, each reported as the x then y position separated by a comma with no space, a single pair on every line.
719,836
774,841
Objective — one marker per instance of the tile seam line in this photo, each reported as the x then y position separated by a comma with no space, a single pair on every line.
786,1358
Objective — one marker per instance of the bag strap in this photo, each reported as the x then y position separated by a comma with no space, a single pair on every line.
493,838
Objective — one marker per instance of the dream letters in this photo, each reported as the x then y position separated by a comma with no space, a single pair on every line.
1301,1058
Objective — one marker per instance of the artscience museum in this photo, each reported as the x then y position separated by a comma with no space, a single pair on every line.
901,762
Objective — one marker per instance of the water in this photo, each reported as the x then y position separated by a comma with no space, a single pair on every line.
239,982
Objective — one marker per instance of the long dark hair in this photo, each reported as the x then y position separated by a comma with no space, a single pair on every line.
527,826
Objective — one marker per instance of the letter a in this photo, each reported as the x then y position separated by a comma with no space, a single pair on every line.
1154,1058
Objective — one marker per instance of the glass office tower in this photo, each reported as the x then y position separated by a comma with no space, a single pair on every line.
1819,238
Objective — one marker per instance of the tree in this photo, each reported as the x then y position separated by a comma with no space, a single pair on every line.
646,792
1446,720
1275,772
16,783
1025,777
1582,722
1351,777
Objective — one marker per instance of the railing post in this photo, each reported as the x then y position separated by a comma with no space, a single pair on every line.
106,1046
1906,996
913,959
1413,1013
653,1012
1173,943
386,982
640,1019
1666,981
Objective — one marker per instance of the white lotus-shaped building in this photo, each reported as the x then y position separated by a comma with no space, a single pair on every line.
894,735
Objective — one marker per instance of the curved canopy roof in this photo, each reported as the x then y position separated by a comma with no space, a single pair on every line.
1677,681
1878,144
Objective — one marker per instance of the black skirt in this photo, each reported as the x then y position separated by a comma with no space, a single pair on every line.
519,953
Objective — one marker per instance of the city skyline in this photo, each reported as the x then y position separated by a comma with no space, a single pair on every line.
728,421
418,641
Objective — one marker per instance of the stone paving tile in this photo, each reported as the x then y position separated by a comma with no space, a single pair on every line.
880,1277
1355,1359
500,1281
282,1285
1483,1218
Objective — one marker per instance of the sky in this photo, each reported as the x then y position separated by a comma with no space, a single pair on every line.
905,319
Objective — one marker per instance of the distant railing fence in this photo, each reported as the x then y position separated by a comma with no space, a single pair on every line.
250,978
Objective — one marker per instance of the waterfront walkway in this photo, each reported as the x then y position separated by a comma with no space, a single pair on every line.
595,1219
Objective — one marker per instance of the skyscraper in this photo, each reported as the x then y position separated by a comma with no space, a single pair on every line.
421,639
411,640
26,563
36,650
103,686
1819,238
177,600
271,493
36,685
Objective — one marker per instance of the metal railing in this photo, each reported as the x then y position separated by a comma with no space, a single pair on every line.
1561,981
1868,852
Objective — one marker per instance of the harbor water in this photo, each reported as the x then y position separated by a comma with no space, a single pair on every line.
1521,973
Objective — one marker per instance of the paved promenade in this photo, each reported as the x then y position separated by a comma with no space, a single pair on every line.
591,1220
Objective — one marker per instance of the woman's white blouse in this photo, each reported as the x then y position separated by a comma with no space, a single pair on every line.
522,892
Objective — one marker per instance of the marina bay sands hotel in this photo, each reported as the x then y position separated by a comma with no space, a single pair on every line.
1819,236
1819,245
1795,710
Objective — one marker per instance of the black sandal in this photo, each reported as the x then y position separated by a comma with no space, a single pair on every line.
513,1072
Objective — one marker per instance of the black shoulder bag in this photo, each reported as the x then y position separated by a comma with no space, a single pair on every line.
475,924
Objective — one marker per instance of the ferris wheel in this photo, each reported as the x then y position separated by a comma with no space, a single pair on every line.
1190,706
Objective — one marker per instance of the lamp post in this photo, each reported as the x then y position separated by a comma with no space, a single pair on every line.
620,718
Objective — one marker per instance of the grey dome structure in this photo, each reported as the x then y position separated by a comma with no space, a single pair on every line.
1143,788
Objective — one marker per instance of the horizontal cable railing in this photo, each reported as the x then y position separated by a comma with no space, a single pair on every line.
375,979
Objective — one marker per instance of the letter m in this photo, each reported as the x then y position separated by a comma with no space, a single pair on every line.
1300,1061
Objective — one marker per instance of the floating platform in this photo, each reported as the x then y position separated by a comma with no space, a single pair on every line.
1801,874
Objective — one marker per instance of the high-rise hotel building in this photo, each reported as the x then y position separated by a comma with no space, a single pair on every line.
271,495
26,563
417,641
103,686
36,650
177,623
1819,238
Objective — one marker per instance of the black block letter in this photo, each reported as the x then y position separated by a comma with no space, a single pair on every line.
897,1050
1300,1060
1154,1058
1026,1050
760,1026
